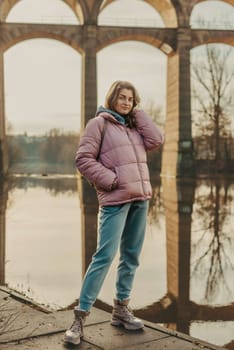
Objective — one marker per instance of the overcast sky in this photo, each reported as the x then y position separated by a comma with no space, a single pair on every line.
43,76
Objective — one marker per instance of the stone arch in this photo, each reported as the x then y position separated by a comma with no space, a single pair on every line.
160,42
46,32
7,5
202,37
165,8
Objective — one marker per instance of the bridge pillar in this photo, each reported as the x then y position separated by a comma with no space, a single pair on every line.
178,198
178,157
89,204
3,144
3,205
89,74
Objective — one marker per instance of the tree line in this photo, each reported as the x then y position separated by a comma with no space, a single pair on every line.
55,147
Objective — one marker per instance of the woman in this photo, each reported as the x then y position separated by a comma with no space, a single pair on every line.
112,156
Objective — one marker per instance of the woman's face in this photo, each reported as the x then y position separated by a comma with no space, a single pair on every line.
124,102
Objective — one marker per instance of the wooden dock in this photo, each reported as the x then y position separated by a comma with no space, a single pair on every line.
25,326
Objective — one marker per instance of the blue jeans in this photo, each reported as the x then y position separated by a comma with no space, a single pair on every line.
120,226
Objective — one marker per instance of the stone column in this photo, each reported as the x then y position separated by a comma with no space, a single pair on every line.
89,74
178,157
3,205
178,197
3,144
89,105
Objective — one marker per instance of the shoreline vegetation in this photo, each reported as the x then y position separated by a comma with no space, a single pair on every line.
54,153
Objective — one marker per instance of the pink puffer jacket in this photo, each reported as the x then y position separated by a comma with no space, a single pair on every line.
120,174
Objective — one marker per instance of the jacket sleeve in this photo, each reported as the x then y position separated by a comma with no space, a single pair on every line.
152,136
88,150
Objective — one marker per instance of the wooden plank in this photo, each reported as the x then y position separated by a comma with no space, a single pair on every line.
23,321
184,337
31,328
108,337
169,343
53,342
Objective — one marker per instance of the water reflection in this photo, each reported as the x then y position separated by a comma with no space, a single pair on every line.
212,242
43,242
185,280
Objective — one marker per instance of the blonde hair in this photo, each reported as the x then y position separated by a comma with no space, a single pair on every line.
113,93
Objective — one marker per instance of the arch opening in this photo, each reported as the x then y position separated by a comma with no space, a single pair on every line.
43,12
140,63
133,14
165,14
212,15
36,86
212,86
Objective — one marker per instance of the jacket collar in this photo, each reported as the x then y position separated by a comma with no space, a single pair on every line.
117,116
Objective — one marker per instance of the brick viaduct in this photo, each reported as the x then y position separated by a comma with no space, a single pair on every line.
175,40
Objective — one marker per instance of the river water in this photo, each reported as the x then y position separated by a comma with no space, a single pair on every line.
185,279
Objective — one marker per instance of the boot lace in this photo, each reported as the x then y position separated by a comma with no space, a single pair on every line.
77,326
128,312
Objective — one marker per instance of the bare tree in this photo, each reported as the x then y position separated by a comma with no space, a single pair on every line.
212,79
59,146
15,151
156,112
212,215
